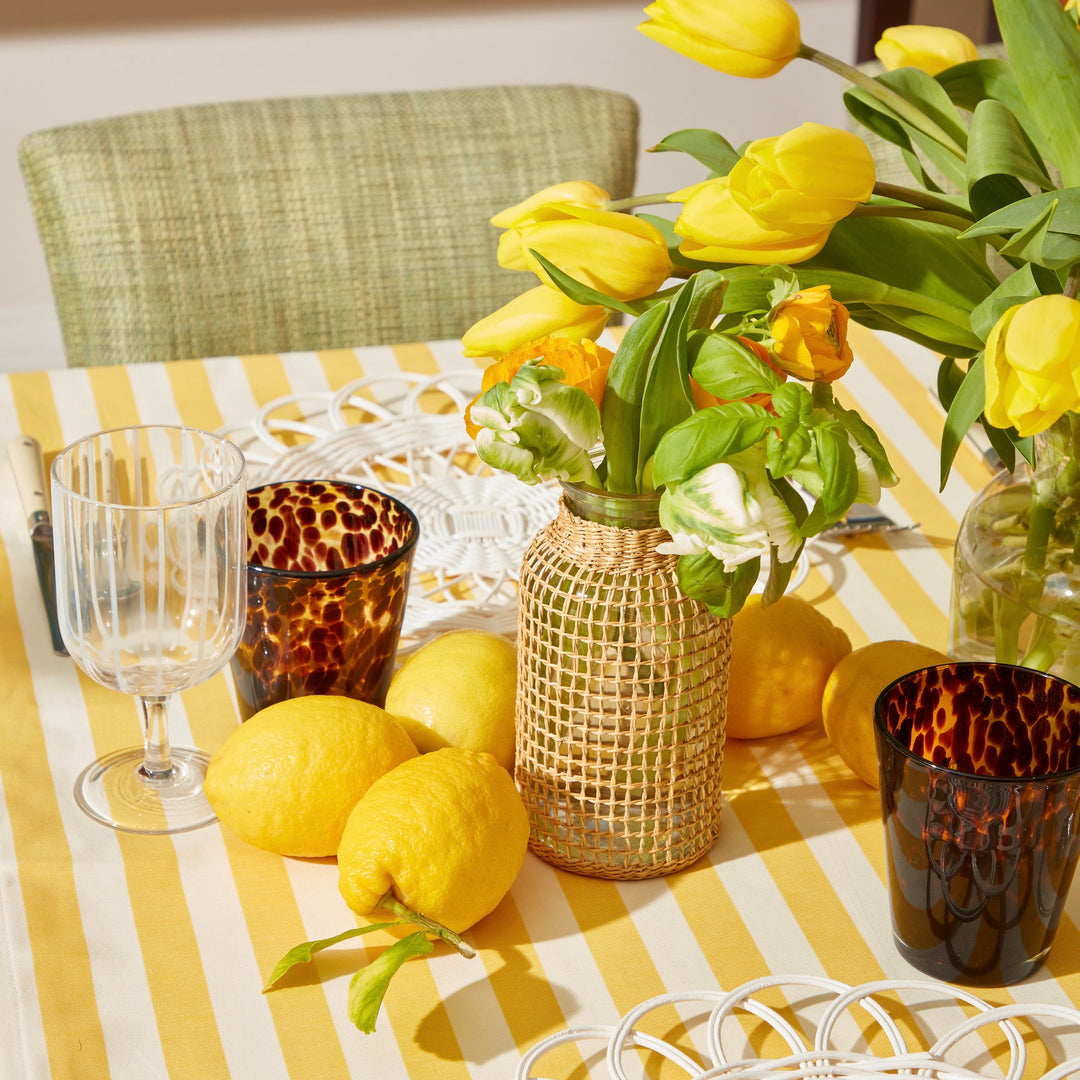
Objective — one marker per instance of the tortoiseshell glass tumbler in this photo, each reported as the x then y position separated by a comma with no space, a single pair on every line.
980,797
328,566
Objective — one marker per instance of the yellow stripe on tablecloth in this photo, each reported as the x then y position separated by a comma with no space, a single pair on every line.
74,1040
612,938
517,978
420,1021
340,366
167,941
417,358
914,397
301,1015
113,397
31,393
194,397
267,377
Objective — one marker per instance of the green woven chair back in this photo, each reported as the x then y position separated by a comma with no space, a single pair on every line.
304,223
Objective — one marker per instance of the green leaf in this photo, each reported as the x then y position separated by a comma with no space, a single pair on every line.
1019,287
582,294
1029,243
988,77
707,437
302,954
1044,49
667,399
367,988
704,578
1000,155
1060,210
711,149
727,368
949,377
859,429
620,412
839,474
966,408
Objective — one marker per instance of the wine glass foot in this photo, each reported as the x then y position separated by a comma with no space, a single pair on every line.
115,791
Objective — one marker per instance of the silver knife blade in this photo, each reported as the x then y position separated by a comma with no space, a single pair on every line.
28,465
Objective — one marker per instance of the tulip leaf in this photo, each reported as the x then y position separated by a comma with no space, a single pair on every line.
1021,285
707,147
988,77
667,399
729,369
723,592
582,294
367,988
1057,245
620,412
1000,155
1044,49
708,436
965,409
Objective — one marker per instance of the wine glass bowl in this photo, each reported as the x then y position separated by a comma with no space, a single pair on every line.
150,545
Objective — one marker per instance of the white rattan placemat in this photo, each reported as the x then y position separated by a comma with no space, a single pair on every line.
405,434
835,1043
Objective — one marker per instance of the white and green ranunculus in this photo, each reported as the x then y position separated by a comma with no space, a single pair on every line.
731,511
538,428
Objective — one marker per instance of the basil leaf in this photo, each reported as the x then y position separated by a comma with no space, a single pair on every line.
729,369
708,436
723,592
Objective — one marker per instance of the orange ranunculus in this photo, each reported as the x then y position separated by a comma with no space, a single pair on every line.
584,364
809,335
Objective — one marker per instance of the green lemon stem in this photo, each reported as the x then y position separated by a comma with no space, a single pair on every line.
391,903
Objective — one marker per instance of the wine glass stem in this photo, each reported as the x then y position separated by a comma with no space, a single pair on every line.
157,763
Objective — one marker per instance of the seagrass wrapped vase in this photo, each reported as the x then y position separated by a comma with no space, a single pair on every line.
622,688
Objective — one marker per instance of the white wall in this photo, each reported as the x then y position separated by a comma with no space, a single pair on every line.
46,81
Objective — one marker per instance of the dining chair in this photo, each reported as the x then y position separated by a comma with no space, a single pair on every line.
303,223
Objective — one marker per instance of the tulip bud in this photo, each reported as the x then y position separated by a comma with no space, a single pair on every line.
537,313
751,38
929,48
1032,364
809,335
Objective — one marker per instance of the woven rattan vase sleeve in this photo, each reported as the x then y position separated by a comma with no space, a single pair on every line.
303,223
622,685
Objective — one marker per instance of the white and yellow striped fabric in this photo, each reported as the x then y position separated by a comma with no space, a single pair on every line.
138,958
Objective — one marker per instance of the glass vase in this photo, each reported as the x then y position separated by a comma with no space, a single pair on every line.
1016,585
622,686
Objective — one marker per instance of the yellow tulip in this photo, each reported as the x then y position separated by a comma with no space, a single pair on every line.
575,192
811,175
751,38
929,48
809,335
617,254
715,228
1032,364
538,313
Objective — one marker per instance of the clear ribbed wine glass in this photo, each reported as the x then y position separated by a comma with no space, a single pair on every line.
150,535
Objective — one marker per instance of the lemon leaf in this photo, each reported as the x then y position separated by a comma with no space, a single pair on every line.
368,986
302,953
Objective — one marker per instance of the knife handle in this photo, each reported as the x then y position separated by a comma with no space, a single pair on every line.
28,465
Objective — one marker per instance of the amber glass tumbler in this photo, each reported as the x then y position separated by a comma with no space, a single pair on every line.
980,796
328,566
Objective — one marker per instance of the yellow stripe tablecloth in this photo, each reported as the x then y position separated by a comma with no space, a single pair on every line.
136,958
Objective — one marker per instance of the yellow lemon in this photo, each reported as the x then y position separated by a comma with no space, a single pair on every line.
458,690
847,704
446,832
781,656
287,779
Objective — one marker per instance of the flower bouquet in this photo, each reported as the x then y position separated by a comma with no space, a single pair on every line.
719,395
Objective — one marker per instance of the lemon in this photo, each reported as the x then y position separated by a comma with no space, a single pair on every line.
458,690
781,656
287,779
446,832
847,704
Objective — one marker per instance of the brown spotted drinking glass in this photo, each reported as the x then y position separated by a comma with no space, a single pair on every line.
980,796
328,567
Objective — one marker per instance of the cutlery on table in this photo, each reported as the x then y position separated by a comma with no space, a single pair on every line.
28,465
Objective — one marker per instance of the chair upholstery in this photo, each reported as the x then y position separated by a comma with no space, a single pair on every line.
303,223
